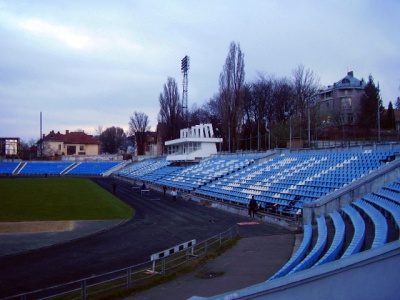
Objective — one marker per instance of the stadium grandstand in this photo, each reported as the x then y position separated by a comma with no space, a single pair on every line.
285,183
348,201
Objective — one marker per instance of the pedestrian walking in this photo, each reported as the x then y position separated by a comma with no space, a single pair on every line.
165,190
252,207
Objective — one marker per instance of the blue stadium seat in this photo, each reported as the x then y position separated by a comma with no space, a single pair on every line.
387,205
95,168
338,239
42,168
8,167
319,247
359,231
298,256
381,227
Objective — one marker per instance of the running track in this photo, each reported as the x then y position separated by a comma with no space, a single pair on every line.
157,225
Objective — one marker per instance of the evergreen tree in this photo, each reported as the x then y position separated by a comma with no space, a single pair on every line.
369,103
388,121
397,103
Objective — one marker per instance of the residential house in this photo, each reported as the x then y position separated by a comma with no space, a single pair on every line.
70,143
339,103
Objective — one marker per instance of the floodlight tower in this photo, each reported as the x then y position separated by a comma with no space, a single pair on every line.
184,68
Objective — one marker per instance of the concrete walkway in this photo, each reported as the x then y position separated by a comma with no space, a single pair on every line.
253,260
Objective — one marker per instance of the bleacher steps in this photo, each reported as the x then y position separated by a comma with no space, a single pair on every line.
20,167
68,169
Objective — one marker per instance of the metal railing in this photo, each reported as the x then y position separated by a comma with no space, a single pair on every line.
129,277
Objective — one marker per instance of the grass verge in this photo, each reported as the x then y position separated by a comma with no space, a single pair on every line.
56,199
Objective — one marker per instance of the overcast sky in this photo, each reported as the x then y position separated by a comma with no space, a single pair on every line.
85,64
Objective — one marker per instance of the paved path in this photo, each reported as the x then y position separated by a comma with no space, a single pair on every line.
157,225
253,260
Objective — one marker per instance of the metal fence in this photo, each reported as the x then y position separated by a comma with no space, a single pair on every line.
129,277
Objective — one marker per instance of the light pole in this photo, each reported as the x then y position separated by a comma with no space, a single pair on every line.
379,123
258,134
269,134
219,135
309,127
290,128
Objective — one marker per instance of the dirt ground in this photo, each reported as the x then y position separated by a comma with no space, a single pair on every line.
42,226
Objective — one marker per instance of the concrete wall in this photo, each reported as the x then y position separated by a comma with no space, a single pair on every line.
288,223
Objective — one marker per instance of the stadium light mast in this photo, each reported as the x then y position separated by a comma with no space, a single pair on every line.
185,62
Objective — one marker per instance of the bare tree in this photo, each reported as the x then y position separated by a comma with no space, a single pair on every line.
283,106
306,86
112,139
170,110
282,110
212,113
139,127
99,130
262,91
198,115
231,93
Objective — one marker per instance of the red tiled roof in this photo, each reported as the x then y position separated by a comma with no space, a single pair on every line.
71,138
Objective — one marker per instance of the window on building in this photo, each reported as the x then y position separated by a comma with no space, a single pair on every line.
346,103
59,147
71,150
81,148
350,118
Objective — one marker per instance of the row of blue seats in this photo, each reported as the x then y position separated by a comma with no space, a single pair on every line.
40,168
298,255
93,168
159,174
387,205
380,224
323,181
57,168
337,242
359,231
8,167
193,177
142,168
318,248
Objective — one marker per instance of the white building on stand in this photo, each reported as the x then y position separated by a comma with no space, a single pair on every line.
194,144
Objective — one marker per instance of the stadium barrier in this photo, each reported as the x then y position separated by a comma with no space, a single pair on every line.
188,246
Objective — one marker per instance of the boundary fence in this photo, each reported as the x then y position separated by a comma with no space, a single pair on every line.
132,276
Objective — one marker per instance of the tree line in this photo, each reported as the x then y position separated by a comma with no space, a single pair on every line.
256,115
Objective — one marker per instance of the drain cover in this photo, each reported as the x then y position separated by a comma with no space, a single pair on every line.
209,274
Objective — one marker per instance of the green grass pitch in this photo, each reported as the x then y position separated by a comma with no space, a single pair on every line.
56,199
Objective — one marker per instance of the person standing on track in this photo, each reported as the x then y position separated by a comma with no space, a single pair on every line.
252,207
114,187
165,190
174,194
